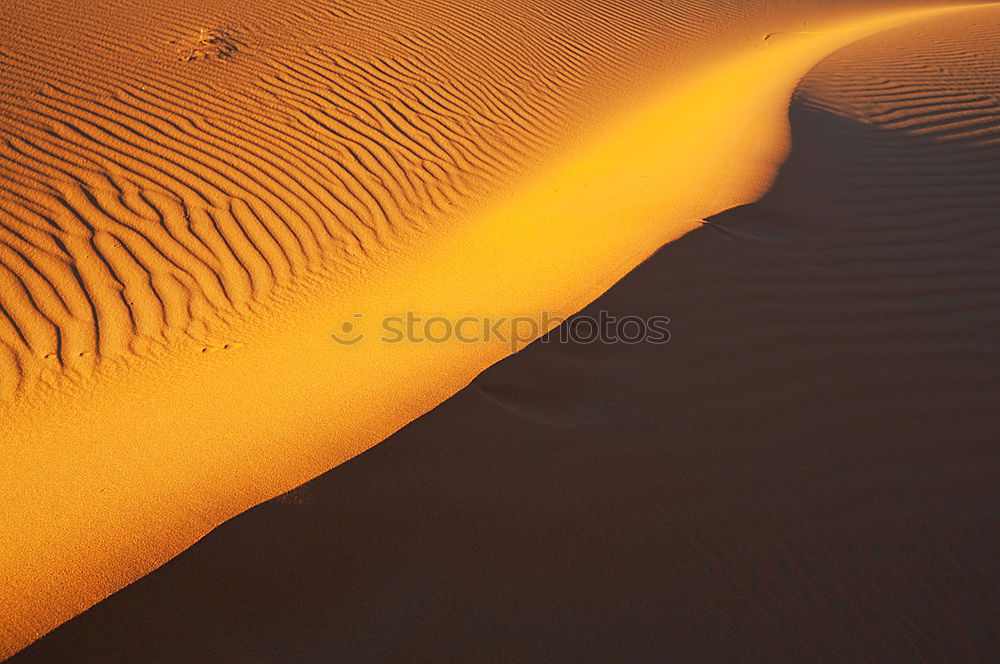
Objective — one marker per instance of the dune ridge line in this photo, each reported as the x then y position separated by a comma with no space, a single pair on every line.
104,482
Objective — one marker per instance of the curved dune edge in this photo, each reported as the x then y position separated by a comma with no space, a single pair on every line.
805,473
120,479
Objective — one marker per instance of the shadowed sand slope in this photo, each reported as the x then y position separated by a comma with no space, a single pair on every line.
806,472
193,196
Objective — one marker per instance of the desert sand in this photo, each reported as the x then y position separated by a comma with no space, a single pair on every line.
195,196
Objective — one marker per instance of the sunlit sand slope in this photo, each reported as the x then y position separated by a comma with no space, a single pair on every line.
195,195
807,472
164,170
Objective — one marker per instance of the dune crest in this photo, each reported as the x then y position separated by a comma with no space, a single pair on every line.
807,472
169,200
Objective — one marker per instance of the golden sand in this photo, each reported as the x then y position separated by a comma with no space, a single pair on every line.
195,198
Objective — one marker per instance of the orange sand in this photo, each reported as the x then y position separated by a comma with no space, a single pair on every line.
194,198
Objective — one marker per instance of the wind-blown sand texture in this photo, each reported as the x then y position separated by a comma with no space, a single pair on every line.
195,195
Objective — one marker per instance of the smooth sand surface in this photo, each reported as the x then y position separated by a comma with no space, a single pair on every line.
194,197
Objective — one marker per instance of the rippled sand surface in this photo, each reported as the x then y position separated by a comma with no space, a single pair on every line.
195,196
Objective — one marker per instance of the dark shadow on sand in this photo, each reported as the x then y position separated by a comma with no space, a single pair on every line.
808,471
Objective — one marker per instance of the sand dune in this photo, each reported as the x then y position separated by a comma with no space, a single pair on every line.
165,172
194,196
806,472
163,178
